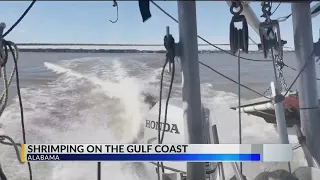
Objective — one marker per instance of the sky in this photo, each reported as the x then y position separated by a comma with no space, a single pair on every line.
88,22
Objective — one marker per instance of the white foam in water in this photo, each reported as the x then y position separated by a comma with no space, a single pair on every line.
104,105
48,111
127,90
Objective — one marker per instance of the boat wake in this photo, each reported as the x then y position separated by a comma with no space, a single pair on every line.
105,102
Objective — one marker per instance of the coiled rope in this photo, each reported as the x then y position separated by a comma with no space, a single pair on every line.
8,45
4,96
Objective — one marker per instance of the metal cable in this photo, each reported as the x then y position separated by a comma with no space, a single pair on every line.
296,146
282,19
303,67
174,19
239,104
276,8
296,70
20,19
233,80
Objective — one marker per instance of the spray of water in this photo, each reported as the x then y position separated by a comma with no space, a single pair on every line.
102,103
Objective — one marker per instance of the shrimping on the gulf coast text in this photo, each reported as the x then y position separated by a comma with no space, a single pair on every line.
157,152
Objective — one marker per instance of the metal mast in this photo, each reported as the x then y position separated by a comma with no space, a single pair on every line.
307,85
188,45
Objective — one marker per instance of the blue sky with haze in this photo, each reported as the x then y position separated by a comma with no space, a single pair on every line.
88,22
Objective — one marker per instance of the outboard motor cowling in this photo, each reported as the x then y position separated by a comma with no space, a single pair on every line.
175,133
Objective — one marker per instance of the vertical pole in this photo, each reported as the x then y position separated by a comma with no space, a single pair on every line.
191,82
99,171
216,141
279,111
239,105
307,86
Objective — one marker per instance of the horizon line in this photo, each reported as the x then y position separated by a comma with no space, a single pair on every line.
105,44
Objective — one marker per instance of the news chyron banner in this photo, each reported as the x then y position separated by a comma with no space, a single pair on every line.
157,152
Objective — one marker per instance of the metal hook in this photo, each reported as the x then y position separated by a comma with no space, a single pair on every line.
115,4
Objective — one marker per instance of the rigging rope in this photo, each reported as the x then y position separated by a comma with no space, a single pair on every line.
20,19
159,115
169,44
15,55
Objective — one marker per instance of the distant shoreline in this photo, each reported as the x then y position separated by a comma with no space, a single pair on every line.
62,50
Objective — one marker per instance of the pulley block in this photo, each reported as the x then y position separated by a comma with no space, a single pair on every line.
239,38
270,38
